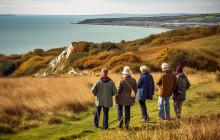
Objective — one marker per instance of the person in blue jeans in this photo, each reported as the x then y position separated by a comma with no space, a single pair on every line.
166,82
126,84
103,90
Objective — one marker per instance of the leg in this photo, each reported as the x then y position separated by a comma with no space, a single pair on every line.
97,116
178,108
175,107
143,109
105,117
167,107
127,116
120,115
161,107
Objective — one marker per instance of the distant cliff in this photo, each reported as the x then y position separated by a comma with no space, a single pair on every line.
170,22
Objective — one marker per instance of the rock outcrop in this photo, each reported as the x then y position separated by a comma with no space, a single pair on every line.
60,63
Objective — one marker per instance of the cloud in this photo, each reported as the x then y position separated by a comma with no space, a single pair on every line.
71,7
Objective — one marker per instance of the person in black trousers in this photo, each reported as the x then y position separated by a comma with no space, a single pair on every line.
145,90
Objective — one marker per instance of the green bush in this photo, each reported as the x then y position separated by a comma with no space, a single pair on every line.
177,59
77,56
7,68
38,52
106,46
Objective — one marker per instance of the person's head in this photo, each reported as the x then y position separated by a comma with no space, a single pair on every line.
179,69
104,71
165,66
127,70
144,68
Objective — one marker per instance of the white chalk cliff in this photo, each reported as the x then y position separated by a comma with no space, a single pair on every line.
59,63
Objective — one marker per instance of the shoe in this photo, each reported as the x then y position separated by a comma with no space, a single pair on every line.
127,125
95,126
120,122
160,118
105,128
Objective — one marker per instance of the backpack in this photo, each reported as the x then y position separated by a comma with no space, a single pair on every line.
181,88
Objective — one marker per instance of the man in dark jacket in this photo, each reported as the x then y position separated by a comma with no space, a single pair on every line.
166,82
178,100
145,90
103,89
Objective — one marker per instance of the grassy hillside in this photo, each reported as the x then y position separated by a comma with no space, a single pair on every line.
62,107
114,56
48,108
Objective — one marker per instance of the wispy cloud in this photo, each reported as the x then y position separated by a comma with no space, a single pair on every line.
107,6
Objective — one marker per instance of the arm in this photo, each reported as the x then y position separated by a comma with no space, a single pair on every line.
135,87
140,81
188,83
153,86
159,81
95,88
175,81
120,86
114,89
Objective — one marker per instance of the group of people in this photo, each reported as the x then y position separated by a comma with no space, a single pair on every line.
104,89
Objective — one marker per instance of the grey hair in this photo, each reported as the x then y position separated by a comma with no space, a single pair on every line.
105,71
165,66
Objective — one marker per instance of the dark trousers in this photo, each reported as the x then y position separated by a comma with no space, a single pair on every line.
127,113
97,116
177,107
143,109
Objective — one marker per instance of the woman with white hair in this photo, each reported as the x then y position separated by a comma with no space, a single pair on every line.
145,90
126,85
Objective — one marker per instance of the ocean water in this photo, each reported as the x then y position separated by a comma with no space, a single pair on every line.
22,33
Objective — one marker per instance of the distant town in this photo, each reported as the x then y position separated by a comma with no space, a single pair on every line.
168,22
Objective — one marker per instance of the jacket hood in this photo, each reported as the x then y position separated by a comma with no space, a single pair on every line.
181,75
105,79
167,71
145,73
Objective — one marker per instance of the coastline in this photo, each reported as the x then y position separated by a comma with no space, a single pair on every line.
152,27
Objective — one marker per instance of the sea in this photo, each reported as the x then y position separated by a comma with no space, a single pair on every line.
22,33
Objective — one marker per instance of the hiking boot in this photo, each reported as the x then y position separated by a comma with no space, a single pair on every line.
127,125
120,122
146,120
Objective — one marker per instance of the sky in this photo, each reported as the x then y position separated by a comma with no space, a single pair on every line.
92,7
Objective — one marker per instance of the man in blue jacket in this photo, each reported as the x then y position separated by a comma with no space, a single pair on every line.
145,90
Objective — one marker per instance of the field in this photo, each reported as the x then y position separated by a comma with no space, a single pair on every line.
63,107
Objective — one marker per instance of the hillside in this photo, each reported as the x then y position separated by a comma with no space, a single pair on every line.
169,22
174,47
61,106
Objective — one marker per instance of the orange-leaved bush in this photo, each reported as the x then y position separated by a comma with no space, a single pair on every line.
122,59
90,62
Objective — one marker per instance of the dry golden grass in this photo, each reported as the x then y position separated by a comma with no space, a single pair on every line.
194,128
19,95
29,98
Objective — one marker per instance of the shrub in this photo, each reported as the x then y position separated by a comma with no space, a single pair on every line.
7,68
200,61
90,62
80,47
122,59
162,57
32,65
38,52
106,46
77,56
177,59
